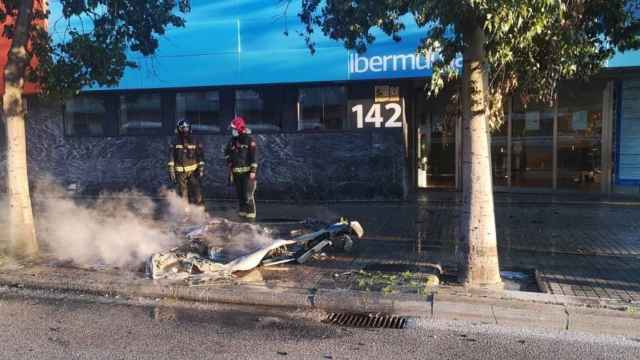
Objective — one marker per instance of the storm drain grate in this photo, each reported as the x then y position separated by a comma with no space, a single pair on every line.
367,320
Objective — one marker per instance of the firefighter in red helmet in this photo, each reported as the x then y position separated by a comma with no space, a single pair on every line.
186,164
242,160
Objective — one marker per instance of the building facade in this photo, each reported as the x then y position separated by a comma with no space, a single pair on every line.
335,125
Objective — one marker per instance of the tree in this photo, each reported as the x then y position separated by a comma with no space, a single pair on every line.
509,47
92,53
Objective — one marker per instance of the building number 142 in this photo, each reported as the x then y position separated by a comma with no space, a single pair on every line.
374,115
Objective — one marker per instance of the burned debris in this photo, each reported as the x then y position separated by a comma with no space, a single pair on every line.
221,247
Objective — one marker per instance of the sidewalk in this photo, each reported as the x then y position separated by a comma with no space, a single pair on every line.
590,249
585,256
304,291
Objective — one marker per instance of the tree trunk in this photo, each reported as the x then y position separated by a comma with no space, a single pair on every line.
477,250
22,234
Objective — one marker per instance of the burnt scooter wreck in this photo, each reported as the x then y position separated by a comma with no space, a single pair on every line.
221,247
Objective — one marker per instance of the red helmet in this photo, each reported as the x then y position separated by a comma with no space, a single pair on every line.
239,124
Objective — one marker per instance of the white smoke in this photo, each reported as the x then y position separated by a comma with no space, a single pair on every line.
123,229
4,238
179,208
3,209
236,239
119,229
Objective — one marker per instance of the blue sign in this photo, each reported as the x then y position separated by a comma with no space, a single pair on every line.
388,59
239,42
626,59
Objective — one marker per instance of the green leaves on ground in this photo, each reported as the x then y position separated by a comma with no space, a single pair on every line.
392,283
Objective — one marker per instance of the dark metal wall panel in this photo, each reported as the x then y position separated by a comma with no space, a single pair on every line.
293,166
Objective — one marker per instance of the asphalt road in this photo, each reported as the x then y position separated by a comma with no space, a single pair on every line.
42,325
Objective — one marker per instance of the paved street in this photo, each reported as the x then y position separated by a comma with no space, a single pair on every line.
60,328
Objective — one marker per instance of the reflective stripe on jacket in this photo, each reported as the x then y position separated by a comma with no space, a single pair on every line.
241,154
185,155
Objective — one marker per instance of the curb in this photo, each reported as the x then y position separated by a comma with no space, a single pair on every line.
325,299
509,308
253,295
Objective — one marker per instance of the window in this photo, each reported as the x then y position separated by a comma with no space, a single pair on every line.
437,121
499,154
322,108
200,109
579,136
260,108
555,147
140,114
85,115
532,145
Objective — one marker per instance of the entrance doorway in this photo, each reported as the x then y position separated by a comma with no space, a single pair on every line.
435,144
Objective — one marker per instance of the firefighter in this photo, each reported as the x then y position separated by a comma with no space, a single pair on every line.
241,157
186,164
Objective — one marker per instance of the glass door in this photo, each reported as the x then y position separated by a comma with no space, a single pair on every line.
436,144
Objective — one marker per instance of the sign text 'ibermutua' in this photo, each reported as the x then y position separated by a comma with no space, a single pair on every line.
364,66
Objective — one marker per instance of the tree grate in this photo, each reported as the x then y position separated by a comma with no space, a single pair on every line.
367,320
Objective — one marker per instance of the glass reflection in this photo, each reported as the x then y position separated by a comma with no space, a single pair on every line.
532,146
499,155
579,136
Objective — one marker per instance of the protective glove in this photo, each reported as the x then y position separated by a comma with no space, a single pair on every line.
172,176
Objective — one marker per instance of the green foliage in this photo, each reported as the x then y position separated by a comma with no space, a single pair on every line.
375,281
94,53
530,46
389,283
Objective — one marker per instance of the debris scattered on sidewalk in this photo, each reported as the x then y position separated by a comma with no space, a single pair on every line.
221,247
391,283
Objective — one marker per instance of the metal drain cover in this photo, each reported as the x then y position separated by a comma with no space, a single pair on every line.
367,320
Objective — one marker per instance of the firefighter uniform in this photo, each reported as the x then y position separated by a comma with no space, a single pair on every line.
186,167
241,157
